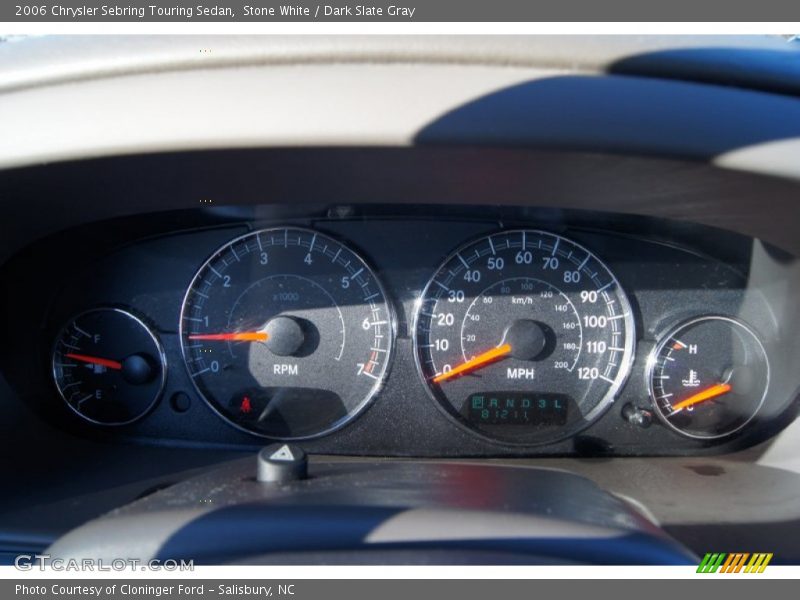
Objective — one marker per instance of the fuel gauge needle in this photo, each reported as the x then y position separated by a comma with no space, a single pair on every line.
94,360
707,394
475,363
242,336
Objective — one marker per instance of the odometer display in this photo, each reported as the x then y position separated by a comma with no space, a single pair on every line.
286,333
517,408
524,337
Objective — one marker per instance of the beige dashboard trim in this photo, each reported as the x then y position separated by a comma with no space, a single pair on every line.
74,97
49,60
309,105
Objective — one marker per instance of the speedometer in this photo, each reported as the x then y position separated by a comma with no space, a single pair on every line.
286,333
524,337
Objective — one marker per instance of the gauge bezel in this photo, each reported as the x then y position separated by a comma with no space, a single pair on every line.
162,358
376,388
652,359
614,390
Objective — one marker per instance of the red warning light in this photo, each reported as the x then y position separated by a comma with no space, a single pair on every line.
245,405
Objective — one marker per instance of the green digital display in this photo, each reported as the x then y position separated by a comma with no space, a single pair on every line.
517,408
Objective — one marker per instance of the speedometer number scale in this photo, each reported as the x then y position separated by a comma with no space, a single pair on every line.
524,337
286,333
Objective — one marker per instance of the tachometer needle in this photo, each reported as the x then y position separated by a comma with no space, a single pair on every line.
94,360
707,394
243,336
474,363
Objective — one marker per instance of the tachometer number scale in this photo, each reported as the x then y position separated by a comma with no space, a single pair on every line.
286,333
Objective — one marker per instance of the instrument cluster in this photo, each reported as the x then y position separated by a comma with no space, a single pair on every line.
408,335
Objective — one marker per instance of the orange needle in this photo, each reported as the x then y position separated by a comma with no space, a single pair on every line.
475,362
244,336
706,394
94,360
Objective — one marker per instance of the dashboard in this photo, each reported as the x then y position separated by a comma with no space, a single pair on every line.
405,330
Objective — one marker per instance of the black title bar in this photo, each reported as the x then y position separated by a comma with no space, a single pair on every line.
264,11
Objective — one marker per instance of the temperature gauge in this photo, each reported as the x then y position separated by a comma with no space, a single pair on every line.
708,377
108,366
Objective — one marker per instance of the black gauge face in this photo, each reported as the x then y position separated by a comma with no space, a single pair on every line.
286,333
108,366
708,377
524,337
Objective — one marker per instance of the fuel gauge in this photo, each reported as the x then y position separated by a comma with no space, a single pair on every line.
108,366
708,377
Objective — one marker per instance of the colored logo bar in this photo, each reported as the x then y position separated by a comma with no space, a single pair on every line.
735,562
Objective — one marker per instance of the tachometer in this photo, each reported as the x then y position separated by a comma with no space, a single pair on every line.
286,333
524,337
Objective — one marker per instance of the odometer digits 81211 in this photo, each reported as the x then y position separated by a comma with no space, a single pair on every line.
286,333
524,337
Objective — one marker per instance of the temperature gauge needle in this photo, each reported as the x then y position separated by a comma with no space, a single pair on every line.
94,360
475,363
243,336
707,394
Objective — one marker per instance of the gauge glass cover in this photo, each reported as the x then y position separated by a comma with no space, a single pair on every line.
108,366
524,337
286,333
708,377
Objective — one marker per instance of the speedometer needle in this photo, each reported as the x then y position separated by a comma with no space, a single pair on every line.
242,336
707,394
474,363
